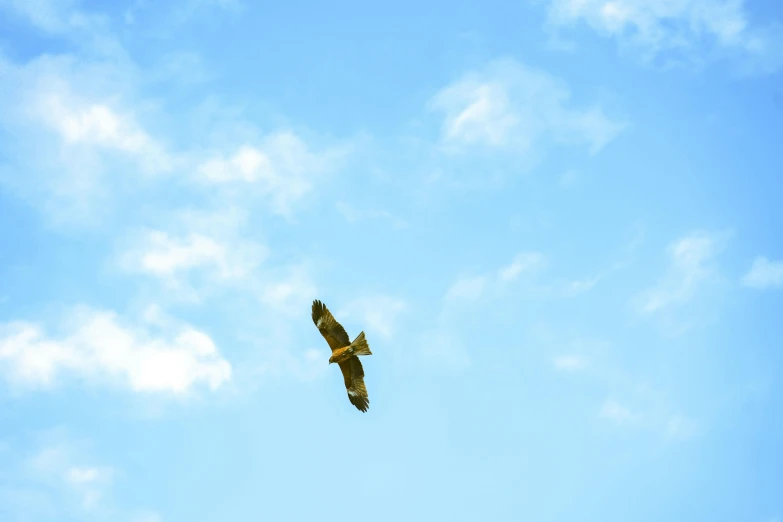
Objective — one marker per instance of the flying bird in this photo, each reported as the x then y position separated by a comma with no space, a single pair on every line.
345,353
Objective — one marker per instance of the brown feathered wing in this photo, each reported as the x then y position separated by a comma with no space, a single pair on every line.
337,337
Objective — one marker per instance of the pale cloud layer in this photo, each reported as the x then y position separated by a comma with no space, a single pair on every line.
681,428
75,134
52,16
522,262
691,265
525,268
764,274
469,289
97,346
376,313
466,289
508,105
352,214
58,465
569,363
443,348
199,253
60,477
281,167
696,29
96,144
615,412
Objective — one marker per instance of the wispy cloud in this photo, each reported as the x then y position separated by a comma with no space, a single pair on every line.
682,428
56,464
569,363
617,413
87,131
356,215
466,289
281,167
443,348
199,250
289,289
380,313
97,346
522,262
56,17
691,264
764,274
59,477
525,268
72,124
695,30
509,105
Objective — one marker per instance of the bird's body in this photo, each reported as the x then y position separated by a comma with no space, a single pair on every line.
344,353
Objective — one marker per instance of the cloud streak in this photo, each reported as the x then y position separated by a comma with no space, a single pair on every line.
764,274
507,105
691,265
694,30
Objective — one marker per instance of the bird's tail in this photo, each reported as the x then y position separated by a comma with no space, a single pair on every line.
359,346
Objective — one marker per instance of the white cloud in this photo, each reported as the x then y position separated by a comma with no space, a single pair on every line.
166,256
691,264
82,130
440,343
200,252
375,313
56,464
508,105
56,475
281,167
97,347
442,347
682,428
88,123
617,413
354,215
466,289
764,274
206,253
569,179
148,516
304,365
83,475
73,131
569,363
523,262
289,290
525,267
54,16
695,29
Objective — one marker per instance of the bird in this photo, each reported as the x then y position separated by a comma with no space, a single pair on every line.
345,353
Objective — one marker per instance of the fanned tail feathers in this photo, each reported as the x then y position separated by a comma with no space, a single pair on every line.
359,346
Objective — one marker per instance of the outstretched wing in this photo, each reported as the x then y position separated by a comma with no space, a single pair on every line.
333,332
353,375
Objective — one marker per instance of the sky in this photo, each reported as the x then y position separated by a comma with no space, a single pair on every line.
556,221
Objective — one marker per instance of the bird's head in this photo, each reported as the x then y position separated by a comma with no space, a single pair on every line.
331,359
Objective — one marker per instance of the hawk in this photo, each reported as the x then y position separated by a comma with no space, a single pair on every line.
345,353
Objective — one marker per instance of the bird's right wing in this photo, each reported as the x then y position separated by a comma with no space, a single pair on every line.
332,331
353,375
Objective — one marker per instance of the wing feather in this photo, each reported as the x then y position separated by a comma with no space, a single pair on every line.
330,329
353,375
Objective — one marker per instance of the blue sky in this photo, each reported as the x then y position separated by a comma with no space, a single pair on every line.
557,222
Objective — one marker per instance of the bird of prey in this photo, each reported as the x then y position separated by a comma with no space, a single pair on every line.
345,353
